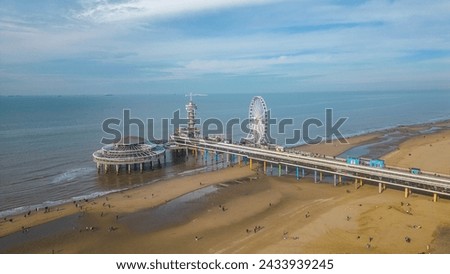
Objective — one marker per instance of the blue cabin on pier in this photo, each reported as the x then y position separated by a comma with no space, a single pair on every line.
376,163
352,161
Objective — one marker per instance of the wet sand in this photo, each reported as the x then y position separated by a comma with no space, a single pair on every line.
123,202
336,147
237,210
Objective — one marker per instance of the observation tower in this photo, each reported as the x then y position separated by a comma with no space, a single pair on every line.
191,131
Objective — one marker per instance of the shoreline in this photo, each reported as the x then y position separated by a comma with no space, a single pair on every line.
265,215
334,148
338,147
110,215
80,206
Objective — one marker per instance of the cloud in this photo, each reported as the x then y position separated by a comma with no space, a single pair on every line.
180,41
236,67
107,11
30,44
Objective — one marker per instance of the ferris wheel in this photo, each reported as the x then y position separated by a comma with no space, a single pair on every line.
258,115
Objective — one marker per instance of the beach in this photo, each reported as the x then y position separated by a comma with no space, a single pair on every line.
421,152
238,210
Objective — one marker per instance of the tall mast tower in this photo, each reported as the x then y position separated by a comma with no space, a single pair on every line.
191,108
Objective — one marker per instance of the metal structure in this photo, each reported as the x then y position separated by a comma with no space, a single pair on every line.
128,151
191,108
258,121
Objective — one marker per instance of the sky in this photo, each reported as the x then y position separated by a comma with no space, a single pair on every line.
219,46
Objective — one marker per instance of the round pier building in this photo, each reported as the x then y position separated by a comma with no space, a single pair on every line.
129,152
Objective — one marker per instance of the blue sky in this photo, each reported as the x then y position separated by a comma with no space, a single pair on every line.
254,46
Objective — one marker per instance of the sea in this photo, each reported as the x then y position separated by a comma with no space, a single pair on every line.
46,142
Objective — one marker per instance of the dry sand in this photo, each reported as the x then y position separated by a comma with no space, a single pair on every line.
427,152
246,215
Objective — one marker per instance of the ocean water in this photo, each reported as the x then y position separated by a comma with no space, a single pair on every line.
47,141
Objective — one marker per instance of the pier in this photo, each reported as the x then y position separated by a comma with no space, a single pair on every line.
320,165
256,149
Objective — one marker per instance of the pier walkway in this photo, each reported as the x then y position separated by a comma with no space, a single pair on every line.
302,164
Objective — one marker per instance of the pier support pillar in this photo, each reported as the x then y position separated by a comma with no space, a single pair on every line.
356,183
105,167
129,168
98,167
142,166
406,192
296,173
435,197
251,163
117,169
265,167
315,176
239,160
279,170
380,187
320,176
303,172
334,179
360,182
340,179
